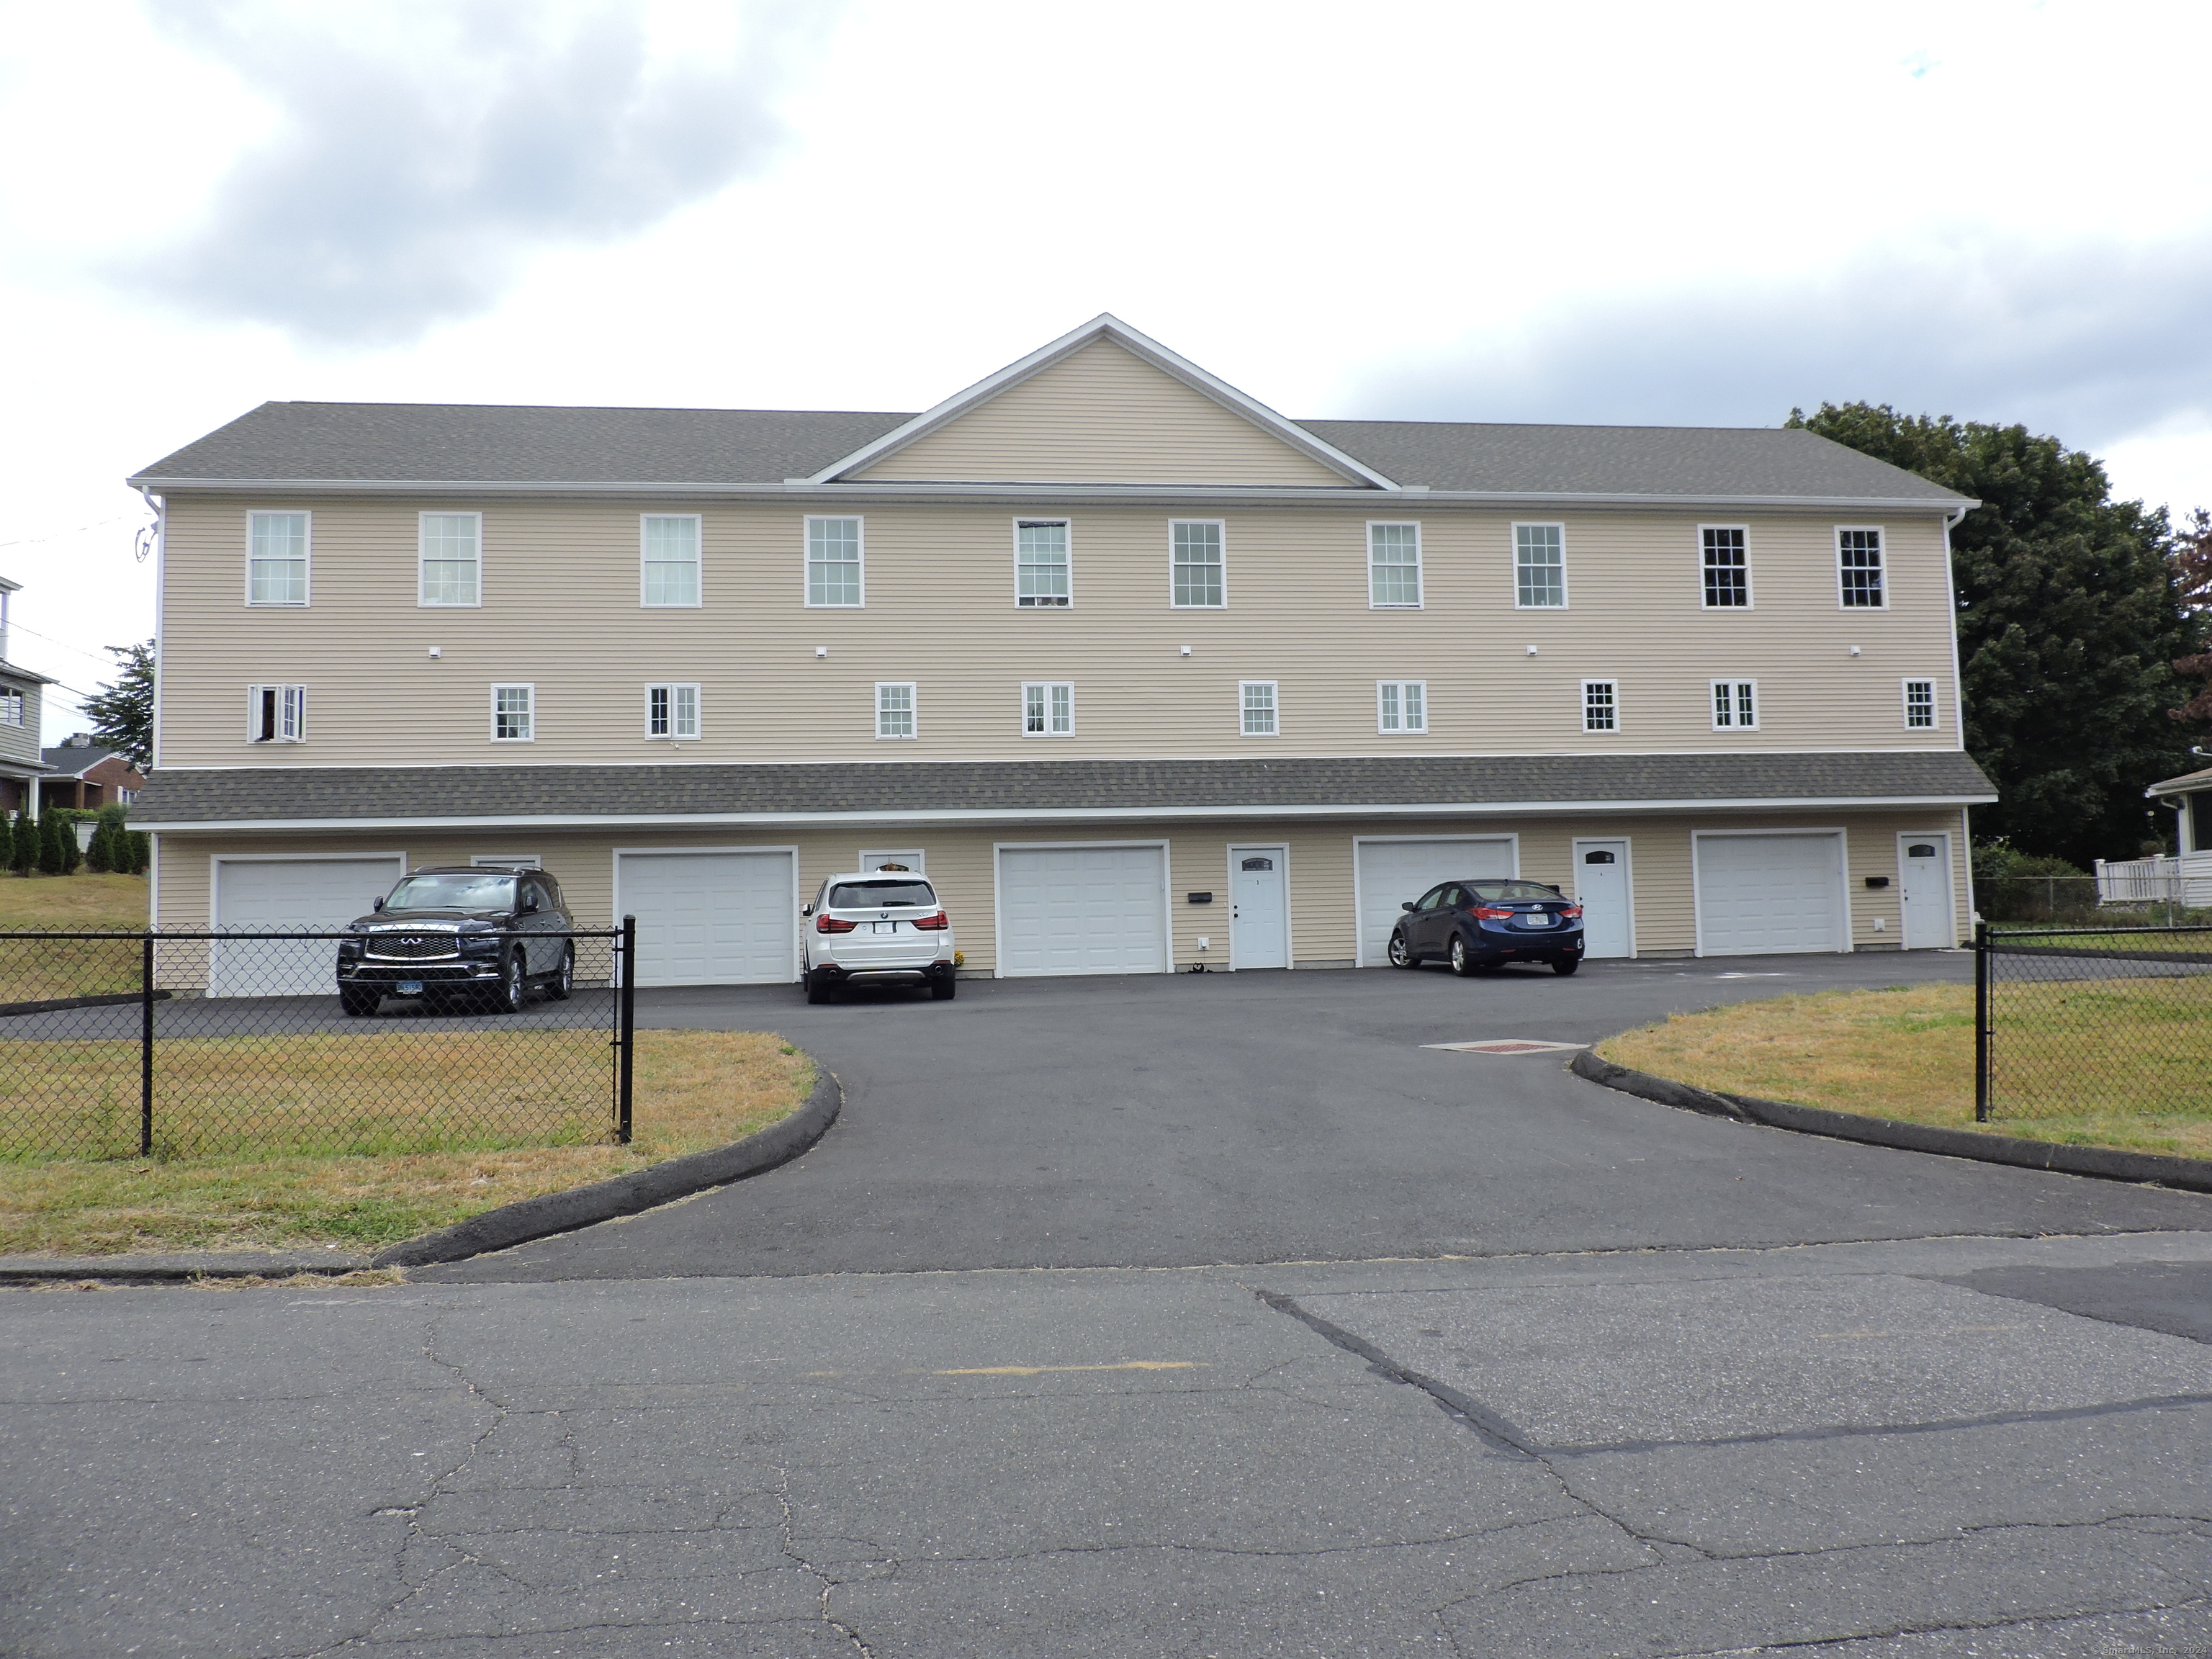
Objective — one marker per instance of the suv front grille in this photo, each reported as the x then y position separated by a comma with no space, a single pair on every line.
411,947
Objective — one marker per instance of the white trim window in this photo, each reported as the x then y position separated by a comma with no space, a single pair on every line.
1539,567
1197,570
11,705
1048,709
277,551
1600,705
1858,569
1040,563
1401,707
672,711
837,564
1920,704
276,713
1393,567
1727,551
1736,705
449,559
514,714
1256,703
895,710
668,561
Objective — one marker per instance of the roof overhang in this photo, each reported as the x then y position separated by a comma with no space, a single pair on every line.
2190,784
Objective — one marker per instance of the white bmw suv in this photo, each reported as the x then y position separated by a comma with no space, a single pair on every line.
876,925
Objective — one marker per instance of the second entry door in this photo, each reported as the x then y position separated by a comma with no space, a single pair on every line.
1258,919
1602,889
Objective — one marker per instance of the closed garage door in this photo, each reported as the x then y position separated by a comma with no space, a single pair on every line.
1392,871
1759,894
1083,910
710,918
288,896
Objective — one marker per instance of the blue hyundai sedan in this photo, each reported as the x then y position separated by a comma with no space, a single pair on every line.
1474,925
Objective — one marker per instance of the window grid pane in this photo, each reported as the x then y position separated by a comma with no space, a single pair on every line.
1393,564
1540,566
1859,554
656,716
1600,706
449,558
1040,564
895,711
1920,703
1391,717
277,558
671,561
1033,710
1728,574
1745,713
1198,564
1416,710
687,711
1063,710
1259,709
833,561
512,713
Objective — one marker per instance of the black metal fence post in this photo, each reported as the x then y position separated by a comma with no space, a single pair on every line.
627,1015
1981,1021
146,1047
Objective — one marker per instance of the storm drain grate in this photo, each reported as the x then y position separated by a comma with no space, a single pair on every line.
1506,1046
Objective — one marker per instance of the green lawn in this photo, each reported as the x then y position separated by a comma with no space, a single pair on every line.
39,970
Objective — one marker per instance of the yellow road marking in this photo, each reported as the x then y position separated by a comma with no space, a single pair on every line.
1039,1370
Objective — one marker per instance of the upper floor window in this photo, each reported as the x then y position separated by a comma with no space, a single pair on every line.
1257,699
1539,567
894,708
1393,566
1858,569
1196,567
11,706
276,713
672,711
451,557
834,561
1600,705
1048,709
1736,705
1728,567
671,555
1402,707
514,714
277,558
1040,577
1919,705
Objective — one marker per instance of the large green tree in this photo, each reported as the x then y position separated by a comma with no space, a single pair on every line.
2071,618
122,714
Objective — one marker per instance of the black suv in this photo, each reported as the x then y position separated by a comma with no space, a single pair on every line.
455,936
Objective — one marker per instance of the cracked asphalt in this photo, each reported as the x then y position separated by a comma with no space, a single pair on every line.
1263,1392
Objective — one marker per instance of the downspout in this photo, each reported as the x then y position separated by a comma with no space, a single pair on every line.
159,507
1959,698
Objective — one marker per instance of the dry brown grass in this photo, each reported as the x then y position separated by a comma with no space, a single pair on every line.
693,1090
1909,1054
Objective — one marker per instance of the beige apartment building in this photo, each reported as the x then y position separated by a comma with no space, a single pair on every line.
1142,674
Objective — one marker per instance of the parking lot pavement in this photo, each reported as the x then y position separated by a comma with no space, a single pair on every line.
1849,1450
1196,1119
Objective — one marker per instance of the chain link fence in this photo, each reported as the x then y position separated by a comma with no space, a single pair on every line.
262,1044
2085,1022
2122,896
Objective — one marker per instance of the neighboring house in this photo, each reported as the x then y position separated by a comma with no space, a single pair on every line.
1143,674
81,774
19,691
2185,878
2190,797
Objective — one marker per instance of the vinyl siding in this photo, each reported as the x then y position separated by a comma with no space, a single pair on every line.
20,743
1102,416
561,609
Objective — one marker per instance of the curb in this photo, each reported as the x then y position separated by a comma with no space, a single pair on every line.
176,1269
118,999
2192,1175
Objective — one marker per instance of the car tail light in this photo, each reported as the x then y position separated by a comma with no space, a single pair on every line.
1492,913
930,923
826,923
1572,913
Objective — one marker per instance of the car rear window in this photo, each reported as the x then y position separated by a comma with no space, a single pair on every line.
880,894
1512,892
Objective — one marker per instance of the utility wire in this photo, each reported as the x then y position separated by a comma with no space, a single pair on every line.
33,541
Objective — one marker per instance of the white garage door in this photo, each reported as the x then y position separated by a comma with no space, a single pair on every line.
289,896
1083,910
710,918
1759,894
1392,871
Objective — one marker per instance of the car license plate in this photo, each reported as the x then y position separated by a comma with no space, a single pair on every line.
410,987
887,927
1538,921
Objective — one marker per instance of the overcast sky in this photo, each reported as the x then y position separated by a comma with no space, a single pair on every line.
1695,213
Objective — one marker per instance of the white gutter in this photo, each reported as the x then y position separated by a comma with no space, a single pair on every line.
161,506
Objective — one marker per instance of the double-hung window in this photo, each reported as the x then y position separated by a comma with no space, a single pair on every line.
11,706
671,555
1728,567
834,566
1600,705
1393,567
1041,562
894,708
1048,709
277,558
449,559
672,711
1196,565
514,714
1920,704
276,713
1257,701
1402,707
1539,567
1736,705
1858,569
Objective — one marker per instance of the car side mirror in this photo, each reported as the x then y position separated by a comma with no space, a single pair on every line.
377,903
1407,905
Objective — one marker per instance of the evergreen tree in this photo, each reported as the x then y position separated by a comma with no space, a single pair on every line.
2070,619
2192,570
122,713
142,851
72,851
7,844
26,858
96,854
52,861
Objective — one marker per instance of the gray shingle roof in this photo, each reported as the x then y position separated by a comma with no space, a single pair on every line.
1012,788
459,443
75,762
2186,783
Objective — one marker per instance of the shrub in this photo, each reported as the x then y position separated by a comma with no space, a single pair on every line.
142,851
95,855
23,858
52,861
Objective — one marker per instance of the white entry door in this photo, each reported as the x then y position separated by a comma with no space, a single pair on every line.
1259,913
290,896
711,918
1600,887
1388,872
1925,865
1083,910
1759,894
